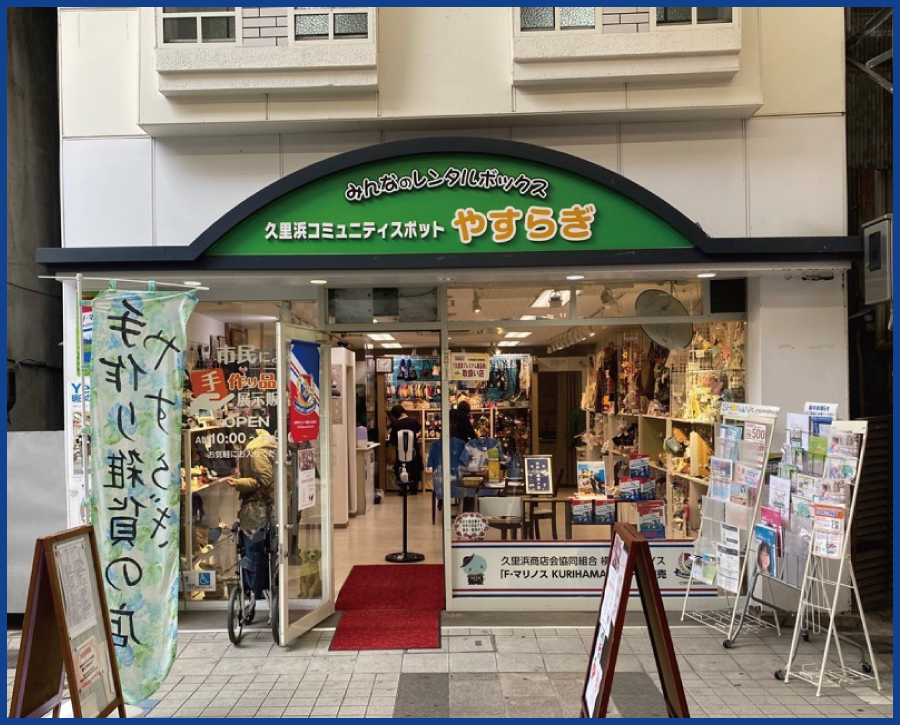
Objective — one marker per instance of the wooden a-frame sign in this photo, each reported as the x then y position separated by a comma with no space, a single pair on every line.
66,635
629,555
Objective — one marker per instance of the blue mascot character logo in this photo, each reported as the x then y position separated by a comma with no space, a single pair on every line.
474,567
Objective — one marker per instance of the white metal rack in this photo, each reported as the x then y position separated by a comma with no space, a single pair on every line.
724,620
820,596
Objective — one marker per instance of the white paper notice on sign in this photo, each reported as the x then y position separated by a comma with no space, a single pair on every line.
306,479
87,664
75,582
470,366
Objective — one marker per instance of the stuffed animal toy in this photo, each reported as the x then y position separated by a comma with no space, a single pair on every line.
310,575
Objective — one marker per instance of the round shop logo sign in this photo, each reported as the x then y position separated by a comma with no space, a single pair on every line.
306,400
470,526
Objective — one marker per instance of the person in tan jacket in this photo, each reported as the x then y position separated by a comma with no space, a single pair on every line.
256,482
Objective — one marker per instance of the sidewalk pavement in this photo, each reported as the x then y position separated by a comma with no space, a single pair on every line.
493,672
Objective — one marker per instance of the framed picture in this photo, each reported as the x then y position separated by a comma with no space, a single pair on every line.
538,475
384,364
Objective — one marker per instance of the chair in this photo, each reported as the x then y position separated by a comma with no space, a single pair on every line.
506,513
538,515
435,464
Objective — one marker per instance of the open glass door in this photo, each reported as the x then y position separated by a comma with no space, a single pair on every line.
303,487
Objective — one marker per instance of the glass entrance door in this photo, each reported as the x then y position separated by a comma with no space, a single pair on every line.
303,489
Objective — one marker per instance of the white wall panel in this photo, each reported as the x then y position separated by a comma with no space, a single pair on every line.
597,144
697,167
107,192
197,180
98,73
301,150
796,169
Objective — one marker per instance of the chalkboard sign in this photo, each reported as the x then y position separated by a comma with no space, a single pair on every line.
66,633
629,555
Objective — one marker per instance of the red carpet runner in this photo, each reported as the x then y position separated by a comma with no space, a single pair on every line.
391,606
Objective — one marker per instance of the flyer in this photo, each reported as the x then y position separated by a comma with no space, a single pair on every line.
591,478
75,583
87,664
747,475
729,568
766,548
652,519
844,443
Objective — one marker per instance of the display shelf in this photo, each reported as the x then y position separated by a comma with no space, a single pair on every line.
692,479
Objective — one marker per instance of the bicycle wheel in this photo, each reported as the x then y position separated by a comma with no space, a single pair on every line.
235,616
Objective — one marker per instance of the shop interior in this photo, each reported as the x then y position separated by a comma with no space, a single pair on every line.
615,413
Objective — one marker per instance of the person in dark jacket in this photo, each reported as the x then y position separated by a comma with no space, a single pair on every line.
401,421
461,423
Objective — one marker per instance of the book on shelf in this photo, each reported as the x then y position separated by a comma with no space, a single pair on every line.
648,490
728,568
582,510
766,549
752,452
727,442
797,430
844,443
841,467
833,491
605,511
638,465
651,518
780,496
630,489
747,475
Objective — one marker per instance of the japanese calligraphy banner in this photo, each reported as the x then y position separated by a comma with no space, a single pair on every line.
136,382
559,569
304,391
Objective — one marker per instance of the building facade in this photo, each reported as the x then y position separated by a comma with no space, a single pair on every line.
172,120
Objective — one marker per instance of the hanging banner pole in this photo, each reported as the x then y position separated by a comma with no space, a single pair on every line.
85,448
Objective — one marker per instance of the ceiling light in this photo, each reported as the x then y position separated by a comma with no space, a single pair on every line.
507,343
375,320
381,336
706,275
560,298
575,277
528,317
476,304
193,284
391,345
518,335
318,281
444,279
592,332
369,346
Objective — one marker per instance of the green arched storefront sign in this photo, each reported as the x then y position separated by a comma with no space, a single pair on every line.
450,202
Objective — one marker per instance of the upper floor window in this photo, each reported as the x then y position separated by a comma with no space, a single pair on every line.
330,23
617,20
692,16
199,25
557,18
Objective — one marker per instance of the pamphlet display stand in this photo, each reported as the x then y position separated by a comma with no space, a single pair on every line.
820,594
66,634
743,442
629,557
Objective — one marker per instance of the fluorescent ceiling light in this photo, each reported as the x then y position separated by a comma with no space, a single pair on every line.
507,343
391,345
381,336
706,275
543,299
575,277
318,281
528,317
193,284
518,335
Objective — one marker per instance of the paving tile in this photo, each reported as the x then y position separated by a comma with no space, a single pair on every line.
528,707
426,663
471,644
328,710
517,662
473,662
329,665
565,663
561,645
375,663
524,645
476,696
297,711
526,685
352,710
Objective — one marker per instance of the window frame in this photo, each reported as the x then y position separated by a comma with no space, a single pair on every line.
693,25
331,12
598,24
162,16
